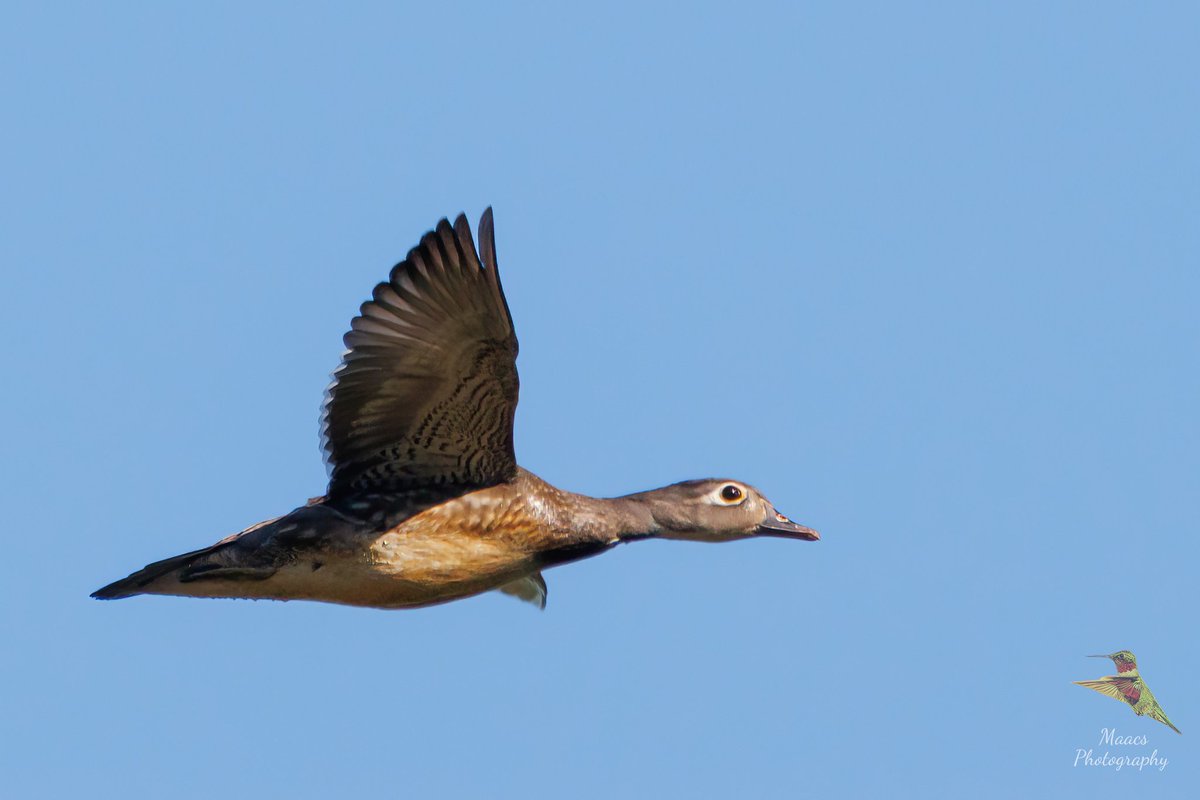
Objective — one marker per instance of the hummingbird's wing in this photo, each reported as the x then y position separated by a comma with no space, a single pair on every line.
1123,689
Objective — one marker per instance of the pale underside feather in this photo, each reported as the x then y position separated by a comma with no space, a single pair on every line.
531,589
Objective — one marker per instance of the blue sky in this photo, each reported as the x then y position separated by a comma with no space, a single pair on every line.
927,277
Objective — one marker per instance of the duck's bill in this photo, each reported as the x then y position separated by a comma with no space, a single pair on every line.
778,525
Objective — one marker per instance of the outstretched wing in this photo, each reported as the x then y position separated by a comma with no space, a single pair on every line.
1123,689
427,389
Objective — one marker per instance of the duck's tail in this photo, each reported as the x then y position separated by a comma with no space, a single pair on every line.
207,562
137,583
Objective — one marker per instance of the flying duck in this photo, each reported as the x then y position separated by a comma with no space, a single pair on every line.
426,503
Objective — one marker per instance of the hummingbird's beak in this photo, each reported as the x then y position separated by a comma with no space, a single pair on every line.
1099,656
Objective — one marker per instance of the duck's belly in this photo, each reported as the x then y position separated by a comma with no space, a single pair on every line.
355,587
421,570
395,571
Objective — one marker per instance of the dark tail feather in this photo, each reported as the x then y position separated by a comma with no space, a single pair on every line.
135,583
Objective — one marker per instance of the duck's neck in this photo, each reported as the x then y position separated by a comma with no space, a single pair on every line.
615,519
595,520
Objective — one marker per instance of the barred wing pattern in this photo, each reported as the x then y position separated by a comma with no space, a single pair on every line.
427,389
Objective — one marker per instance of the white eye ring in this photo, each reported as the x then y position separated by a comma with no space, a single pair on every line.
730,494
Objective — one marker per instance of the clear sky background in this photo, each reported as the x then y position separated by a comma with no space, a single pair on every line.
927,277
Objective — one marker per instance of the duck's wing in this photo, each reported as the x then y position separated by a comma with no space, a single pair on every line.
427,389
1123,689
531,589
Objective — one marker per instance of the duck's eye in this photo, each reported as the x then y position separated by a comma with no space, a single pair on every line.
731,493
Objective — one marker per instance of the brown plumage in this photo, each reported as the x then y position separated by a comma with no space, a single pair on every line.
426,502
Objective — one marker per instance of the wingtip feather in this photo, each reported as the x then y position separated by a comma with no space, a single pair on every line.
487,240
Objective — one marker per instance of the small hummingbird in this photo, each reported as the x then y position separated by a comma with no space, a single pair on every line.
1129,687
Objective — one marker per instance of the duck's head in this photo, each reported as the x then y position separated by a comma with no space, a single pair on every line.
713,510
